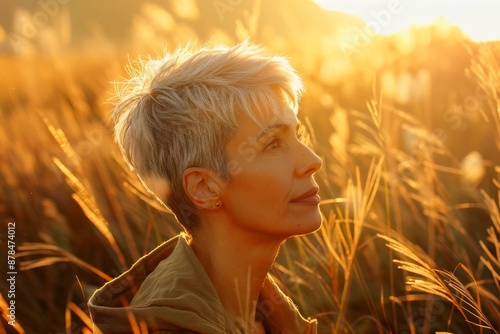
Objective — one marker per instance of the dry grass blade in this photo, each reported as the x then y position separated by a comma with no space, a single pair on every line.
492,261
89,207
137,328
61,139
52,254
80,314
484,71
440,283
465,299
493,210
422,259
347,239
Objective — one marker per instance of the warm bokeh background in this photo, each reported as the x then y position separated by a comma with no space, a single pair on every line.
408,126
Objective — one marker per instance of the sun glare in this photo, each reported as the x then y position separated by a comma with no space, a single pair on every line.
477,19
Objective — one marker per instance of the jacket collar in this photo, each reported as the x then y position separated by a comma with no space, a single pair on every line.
169,289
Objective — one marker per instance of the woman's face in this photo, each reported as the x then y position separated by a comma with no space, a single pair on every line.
272,190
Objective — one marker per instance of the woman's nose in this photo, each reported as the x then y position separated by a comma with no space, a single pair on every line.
309,162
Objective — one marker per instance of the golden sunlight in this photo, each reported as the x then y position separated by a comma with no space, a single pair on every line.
477,19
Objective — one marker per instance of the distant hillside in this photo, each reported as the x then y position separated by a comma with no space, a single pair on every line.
113,19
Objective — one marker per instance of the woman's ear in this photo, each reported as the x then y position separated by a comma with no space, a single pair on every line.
202,186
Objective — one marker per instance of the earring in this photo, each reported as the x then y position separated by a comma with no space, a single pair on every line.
210,205
217,204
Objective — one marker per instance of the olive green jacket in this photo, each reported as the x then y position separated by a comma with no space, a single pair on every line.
168,291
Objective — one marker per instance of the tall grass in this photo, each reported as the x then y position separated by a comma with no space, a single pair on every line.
410,239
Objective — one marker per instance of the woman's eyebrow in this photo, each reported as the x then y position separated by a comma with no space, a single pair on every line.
271,128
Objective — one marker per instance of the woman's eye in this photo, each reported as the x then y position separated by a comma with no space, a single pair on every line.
299,131
273,144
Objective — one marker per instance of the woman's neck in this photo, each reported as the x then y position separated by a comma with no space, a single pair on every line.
237,263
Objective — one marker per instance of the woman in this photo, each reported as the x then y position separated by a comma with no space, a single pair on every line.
213,133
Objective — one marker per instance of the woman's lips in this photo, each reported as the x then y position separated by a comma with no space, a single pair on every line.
309,197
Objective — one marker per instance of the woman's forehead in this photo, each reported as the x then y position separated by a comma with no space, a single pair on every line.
255,126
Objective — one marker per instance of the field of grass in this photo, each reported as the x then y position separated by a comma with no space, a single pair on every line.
408,127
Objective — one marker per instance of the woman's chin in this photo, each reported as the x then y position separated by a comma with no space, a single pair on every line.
311,225
315,226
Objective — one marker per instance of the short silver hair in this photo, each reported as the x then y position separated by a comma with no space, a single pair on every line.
181,109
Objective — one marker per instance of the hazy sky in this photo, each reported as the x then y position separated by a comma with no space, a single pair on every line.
480,19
